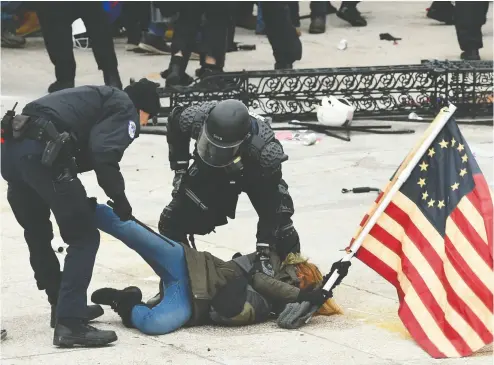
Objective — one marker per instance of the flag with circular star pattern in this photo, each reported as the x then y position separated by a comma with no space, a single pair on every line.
434,244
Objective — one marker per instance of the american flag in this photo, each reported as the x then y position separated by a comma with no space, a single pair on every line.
434,244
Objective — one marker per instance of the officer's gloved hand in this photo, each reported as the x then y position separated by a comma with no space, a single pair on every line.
313,296
177,181
121,207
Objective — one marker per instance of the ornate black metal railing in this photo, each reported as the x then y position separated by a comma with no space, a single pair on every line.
375,91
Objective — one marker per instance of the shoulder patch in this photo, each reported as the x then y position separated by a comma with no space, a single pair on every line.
132,129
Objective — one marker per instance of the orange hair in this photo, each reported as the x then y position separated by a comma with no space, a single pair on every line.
310,276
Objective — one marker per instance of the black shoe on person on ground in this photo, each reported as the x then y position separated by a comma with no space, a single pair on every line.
121,301
352,16
154,44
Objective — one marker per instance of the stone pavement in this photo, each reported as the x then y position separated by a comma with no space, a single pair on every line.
369,332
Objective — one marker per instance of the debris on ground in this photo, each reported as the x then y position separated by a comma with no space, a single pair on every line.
414,116
343,45
388,37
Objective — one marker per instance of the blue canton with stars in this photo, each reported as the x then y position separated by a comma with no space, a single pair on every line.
442,177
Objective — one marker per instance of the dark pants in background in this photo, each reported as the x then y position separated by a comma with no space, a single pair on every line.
214,36
470,16
281,33
32,193
136,16
320,8
56,20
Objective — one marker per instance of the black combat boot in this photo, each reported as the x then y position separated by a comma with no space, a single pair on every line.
352,16
470,55
121,301
70,332
93,312
283,66
207,79
317,25
60,85
175,74
112,78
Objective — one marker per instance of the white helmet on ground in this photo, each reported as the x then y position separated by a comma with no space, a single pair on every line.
335,112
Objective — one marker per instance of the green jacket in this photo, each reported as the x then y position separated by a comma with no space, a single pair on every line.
207,274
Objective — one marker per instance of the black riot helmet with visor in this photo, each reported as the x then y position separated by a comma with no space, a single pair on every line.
227,126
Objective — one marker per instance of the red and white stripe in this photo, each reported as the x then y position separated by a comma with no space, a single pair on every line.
445,284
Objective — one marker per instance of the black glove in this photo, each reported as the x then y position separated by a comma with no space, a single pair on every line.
177,181
342,268
315,296
122,208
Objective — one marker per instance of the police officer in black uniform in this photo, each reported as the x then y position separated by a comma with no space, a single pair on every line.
63,133
235,152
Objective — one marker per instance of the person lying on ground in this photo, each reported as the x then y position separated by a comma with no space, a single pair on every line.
198,288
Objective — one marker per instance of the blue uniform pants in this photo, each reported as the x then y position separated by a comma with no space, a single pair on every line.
168,262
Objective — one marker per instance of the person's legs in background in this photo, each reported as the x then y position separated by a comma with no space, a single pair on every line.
281,34
348,11
56,20
469,18
183,42
167,260
318,10
442,11
9,38
218,19
98,28
294,8
136,18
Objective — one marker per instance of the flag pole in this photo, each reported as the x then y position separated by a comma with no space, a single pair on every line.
402,175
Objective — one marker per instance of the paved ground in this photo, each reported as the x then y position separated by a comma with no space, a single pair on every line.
368,333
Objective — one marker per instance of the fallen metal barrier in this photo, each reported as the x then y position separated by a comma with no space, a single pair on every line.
376,91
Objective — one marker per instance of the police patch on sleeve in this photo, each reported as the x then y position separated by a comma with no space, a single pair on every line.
132,129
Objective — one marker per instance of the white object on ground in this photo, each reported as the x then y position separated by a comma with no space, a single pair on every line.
309,139
335,112
414,116
343,45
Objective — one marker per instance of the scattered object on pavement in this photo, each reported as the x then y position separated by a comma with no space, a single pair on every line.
307,138
414,116
335,112
236,46
4,334
388,37
343,45
360,190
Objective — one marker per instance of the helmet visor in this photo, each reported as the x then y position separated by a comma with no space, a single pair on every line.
213,153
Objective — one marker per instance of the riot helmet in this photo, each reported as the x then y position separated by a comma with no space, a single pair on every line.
227,126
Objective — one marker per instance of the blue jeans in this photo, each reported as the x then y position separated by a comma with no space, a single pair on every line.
167,261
